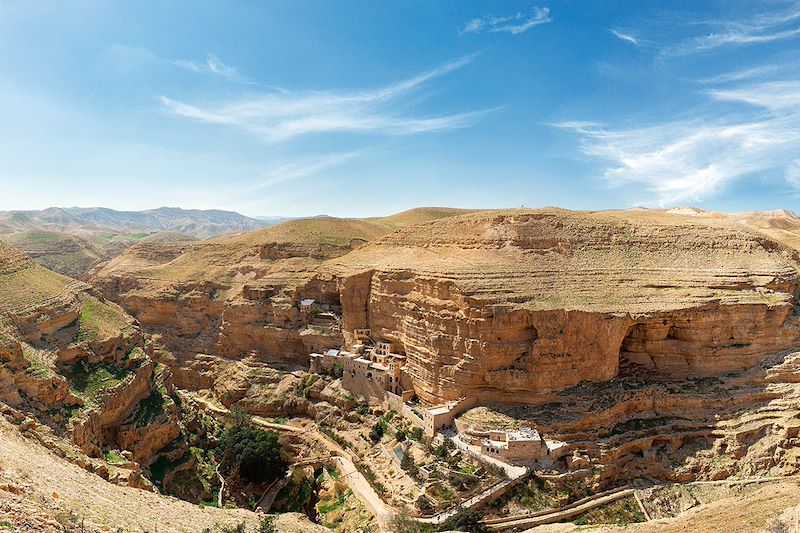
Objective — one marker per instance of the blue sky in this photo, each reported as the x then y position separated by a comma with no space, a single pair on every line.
357,108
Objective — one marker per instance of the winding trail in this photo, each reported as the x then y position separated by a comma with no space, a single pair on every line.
384,513
344,458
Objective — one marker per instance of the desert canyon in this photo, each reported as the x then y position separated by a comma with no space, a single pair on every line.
528,369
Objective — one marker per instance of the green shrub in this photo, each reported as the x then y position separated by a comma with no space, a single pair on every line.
254,452
267,525
89,380
114,457
377,431
303,389
403,523
408,464
424,504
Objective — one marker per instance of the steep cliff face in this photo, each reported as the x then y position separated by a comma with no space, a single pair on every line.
216,302
507,306
643,424
74,361
511,306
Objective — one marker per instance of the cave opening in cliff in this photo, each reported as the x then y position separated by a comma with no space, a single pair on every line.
633,359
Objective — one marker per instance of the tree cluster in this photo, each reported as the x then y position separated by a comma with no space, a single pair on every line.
255,453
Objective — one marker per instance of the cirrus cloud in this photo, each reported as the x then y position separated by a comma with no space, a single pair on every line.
513,24
282,115
692,159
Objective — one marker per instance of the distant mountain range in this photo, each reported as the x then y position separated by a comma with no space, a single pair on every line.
198,223
72,240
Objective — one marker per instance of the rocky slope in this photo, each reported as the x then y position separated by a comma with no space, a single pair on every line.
645,426
76,363
196,222
652,344
39,491
73,240
216,302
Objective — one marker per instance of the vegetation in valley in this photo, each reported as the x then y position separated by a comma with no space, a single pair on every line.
88,380
256,454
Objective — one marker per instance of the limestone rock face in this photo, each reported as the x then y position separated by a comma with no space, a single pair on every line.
644,424
505,307
145,442
100,423
216,302
74,361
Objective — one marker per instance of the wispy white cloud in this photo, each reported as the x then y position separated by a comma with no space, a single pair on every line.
793,174
744,74
125,57
780,97
211,66
304,168
513,24
279,116
690,160
625,36
765,27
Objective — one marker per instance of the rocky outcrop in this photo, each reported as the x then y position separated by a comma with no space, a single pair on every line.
76,363
98,426
508,307
505,306
144,442
643,425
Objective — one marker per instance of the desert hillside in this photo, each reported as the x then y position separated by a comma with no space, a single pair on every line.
77,386
73,240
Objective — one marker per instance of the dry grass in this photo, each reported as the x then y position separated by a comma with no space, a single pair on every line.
101,320
419,215
746,514
107,505
630,261
26,286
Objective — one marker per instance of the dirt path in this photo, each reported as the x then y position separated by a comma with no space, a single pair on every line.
355,480
364,491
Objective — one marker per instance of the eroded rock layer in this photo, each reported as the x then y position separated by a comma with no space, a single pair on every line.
77,363
507,306
511,306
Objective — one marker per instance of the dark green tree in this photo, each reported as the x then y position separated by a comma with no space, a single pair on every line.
255,453
408,464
